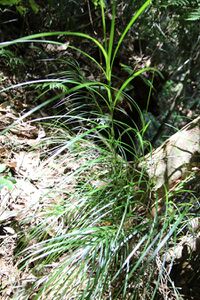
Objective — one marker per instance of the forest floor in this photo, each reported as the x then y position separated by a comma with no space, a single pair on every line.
28,181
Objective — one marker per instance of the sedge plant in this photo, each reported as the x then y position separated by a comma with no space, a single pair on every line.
104,90
98,241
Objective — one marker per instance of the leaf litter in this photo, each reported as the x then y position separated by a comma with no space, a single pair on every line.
28,177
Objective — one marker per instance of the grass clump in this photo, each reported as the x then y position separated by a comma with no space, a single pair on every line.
98,240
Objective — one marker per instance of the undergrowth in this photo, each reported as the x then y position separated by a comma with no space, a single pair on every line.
99,241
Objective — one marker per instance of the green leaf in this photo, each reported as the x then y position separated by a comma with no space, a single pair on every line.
99,3
6,183
34,6
22,10
2,168
195,15
9,2
129,26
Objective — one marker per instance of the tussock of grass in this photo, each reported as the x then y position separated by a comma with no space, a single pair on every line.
98,240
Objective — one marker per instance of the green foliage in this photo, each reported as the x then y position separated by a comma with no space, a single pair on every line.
6,179
9,2
21,5
34,6
190,8
99,240
96,236
181,3
105,89
11,59
54,86
7,182
99,3
178,2
195,15
2,168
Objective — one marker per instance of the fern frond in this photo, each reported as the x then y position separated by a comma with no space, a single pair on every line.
180,3
54,86
195,15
